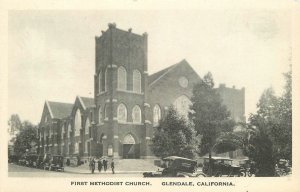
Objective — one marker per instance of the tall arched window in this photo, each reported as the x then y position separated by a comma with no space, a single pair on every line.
99,82
87,126
106,80
137,81
122,79
136,114
77,123
76,147
182,105
106,112
63,132
156,115
122,113
69,131
99,115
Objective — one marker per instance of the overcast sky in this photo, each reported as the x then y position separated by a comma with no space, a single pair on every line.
52,53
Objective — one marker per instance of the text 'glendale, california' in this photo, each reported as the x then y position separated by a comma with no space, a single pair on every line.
198,184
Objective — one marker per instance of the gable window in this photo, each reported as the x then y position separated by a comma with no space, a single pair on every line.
122,113
87,126
156,115
136,114
122,79
137,81
77,123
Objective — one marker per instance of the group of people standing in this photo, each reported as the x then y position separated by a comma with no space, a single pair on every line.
102,163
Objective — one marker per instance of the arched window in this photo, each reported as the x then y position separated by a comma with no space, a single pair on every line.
63,132
129,139
156,115
136,114
87,126
106,80
137,81
99,82
99,115
122,79
122,113
106,112
69,131
77,123
76,149
182,105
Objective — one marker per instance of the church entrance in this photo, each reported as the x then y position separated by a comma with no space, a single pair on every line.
131,150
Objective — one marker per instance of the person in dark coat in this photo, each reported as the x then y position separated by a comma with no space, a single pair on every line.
105,164
100,165
112,165
93,165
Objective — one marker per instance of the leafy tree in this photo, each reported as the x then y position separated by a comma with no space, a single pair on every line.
271,129
15,123
208,114
175,136
25,139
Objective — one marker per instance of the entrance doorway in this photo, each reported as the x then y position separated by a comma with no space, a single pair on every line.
131,150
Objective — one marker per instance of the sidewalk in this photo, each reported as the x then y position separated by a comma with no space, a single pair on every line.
127,166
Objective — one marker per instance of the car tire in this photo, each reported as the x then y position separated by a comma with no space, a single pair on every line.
218,174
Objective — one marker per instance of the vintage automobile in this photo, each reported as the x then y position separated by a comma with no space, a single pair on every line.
31,160
56,163
222,166
174,166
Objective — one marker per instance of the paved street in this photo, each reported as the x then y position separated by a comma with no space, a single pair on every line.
22,171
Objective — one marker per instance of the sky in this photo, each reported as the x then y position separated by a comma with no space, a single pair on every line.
52,53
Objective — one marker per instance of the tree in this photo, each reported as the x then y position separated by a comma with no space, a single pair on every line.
208,114
26,139
175,136
15,123
271,129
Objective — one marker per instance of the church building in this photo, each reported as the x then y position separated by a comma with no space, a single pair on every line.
127,104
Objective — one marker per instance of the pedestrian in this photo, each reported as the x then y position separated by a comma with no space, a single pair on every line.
93,165
100,165
105,164
112,165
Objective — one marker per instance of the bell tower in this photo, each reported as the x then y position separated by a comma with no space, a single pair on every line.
120,89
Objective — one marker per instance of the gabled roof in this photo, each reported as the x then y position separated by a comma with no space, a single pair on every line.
59,110
87,102
160,74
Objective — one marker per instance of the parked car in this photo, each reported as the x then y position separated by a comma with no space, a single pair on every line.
222,166
31,160
22,160
56,163
174,166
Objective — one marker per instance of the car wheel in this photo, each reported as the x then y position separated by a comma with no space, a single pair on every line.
218,174
200,175
250,174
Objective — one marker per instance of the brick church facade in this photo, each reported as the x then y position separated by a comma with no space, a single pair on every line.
128,102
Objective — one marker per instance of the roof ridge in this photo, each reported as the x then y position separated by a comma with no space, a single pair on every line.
168,69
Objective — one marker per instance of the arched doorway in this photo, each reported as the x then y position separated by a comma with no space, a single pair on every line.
131,150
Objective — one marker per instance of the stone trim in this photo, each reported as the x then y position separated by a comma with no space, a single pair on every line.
126,91
148,122
116,137
147,105
147,138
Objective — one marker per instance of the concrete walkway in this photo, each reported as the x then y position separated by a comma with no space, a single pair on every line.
124,166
